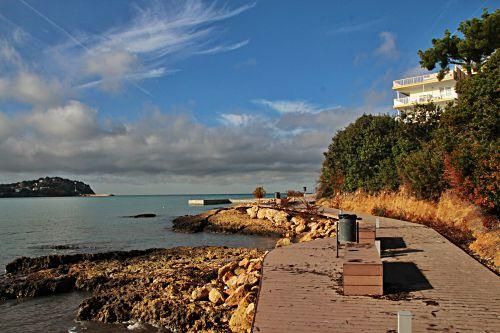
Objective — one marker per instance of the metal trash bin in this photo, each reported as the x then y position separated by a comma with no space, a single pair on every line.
347,228
277,195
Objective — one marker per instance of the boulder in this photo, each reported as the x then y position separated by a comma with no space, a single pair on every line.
215,296
300,228
298,220
244,263
250,311
226,268
232,282
283,242
261,213
236,296
254,266
252,212
240,321
200,294
249,279
145,215
226,277
270,213
280,217
239,271
306,238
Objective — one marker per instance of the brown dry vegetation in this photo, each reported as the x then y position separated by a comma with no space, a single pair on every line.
454,218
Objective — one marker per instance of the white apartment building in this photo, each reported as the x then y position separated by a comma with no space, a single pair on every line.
425,89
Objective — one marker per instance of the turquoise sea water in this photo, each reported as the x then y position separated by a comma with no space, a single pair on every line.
31,226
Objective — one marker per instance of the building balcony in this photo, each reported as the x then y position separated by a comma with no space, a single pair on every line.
437,98
421,79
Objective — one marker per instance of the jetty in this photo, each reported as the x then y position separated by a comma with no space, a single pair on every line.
206,202
431,282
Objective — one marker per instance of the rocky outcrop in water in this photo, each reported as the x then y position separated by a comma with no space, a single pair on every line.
210,289
291,226
228,220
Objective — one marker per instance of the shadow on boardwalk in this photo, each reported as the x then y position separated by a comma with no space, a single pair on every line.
400,277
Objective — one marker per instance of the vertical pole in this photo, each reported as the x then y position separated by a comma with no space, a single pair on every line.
357,232
404,321
377,223
337,237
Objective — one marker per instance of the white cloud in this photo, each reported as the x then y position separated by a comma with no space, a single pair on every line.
233,119
355,27
111,67
145,46
387,47
29,88
70,139
72,121
9,55
224,48
140,47
289,106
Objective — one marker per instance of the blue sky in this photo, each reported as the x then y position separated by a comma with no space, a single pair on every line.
199,96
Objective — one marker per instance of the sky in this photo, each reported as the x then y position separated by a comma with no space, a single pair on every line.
191,96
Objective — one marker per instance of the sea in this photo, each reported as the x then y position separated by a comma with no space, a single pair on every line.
35,226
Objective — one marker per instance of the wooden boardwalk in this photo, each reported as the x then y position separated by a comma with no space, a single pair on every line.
445,289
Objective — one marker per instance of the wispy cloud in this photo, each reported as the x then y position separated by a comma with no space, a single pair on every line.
292,106
355,27
387,48
234,119
250,62
146,46
224,48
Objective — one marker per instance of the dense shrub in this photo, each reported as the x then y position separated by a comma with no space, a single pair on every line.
259,192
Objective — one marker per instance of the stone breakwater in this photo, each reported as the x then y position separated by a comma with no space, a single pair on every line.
184,289
291,226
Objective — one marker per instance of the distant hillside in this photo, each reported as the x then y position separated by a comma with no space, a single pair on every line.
45,187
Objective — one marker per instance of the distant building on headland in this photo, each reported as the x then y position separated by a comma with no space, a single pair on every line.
425,89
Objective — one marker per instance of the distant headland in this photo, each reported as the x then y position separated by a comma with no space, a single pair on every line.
46,187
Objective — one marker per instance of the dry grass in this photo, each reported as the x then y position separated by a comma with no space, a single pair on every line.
457,220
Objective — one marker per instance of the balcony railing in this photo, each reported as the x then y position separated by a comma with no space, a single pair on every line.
419,79
423,99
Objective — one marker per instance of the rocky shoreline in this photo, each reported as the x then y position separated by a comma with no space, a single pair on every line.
290,225
183,289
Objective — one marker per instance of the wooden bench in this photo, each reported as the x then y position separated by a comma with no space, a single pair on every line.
363,270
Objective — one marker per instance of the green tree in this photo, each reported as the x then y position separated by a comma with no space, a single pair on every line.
468,133
480,38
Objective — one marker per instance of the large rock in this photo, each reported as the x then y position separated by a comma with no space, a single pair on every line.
226,268
270,213
281,218
298,220
300,228
240,321
215,296
236,296
261,214
252,212
200,294
306,238
283,242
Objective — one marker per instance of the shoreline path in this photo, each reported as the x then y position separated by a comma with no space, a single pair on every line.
443,287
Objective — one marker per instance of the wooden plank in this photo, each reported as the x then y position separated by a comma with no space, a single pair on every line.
363,280
363,290
362,269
